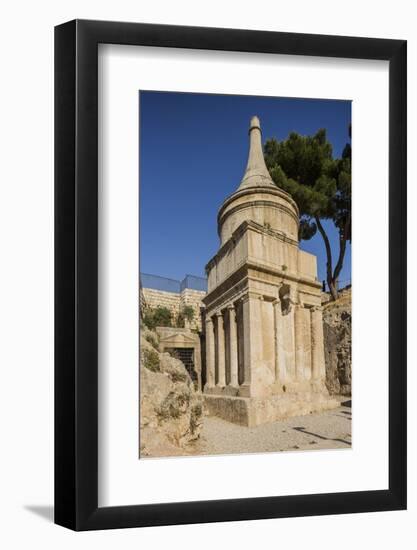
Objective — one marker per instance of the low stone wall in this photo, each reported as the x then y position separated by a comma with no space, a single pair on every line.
255,411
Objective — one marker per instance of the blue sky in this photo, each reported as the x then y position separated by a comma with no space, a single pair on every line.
193,153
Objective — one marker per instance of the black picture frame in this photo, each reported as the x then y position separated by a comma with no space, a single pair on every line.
76,272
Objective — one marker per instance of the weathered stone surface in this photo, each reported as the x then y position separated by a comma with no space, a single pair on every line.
171,338
337,326
257,410
175,302
261,275
170,409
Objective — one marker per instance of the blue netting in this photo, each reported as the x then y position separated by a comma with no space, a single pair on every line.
195,283
172,285
160,283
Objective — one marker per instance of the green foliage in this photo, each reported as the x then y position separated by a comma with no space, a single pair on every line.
158,317
187,313
152,338
151,360
304,167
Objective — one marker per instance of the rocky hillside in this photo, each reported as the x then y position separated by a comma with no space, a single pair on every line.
170,409
337,326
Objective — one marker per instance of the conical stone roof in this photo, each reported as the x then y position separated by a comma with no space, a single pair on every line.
257,199
256,174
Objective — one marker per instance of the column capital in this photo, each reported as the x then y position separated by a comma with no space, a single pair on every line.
316,308
251,296
219,314
209,320
231,307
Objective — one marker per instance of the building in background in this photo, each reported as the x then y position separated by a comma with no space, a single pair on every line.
157,291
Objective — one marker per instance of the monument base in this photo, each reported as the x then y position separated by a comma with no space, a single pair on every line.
253,411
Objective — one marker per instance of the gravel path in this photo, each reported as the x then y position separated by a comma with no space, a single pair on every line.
326,430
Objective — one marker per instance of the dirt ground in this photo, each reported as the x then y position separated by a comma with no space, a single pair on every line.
326,430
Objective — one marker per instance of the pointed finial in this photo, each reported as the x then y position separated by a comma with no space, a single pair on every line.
255,123
256,174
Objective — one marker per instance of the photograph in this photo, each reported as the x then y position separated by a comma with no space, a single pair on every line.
245,288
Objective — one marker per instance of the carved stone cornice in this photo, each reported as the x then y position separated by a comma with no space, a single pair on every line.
238,232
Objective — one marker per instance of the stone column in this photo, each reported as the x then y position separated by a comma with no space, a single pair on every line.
278,341
299,341
221,363
317,344
302,342
210,369
233,347
252,344
246,342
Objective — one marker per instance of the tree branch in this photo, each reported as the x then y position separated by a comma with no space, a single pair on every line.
328,248
342,241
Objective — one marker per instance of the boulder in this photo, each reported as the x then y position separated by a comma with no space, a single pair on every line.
170,409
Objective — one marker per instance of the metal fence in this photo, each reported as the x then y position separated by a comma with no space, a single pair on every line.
159,283
194,283
172,285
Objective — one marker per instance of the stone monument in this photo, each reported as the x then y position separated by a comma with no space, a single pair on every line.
264,352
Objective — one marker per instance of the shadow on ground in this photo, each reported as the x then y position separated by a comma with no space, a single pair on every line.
45,512
304,431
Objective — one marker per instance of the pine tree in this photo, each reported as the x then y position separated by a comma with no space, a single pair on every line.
320,185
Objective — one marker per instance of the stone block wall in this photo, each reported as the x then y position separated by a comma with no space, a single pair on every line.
193,298
176,301
161,298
